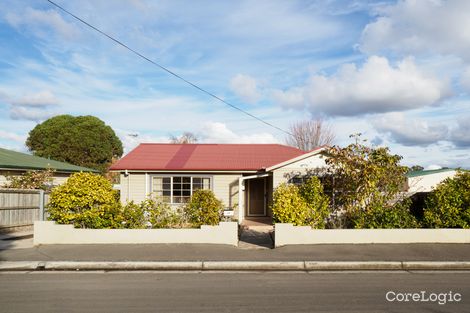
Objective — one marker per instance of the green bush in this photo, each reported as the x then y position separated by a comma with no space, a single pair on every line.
85,200
448,205
203,208
304,205
383,216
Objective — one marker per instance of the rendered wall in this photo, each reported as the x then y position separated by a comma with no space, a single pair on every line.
287,234
50,233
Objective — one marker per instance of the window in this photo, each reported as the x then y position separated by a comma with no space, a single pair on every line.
178,189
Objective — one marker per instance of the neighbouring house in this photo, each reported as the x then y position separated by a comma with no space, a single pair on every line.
16,163
426,180
243,176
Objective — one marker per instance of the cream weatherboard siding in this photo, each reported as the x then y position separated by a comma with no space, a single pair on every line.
133,187
225,187
136,186
283,174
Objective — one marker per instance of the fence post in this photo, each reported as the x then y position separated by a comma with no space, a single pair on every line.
41,205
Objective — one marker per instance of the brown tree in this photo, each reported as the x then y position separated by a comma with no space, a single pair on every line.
186,137
309,134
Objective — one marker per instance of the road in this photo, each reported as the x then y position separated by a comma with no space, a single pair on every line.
230,292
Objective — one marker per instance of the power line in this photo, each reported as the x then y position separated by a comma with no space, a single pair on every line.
166,69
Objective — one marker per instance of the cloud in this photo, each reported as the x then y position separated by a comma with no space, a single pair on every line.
40,99
460,135
32,107
214,132
131,139
465,80
40,22
30,114
433,167
410,132
376,87
245,87
12,136
412,27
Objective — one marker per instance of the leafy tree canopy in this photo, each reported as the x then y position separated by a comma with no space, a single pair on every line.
80,140
367,181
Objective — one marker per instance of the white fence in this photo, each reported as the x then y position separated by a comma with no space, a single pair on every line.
21,207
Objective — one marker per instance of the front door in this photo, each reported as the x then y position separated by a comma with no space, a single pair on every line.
256,197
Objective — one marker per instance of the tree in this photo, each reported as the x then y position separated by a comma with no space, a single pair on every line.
416,168
81,140
448,205
301,205
309,134
186,137
366,184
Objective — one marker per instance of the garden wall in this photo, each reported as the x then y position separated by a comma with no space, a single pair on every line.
288,234
48,232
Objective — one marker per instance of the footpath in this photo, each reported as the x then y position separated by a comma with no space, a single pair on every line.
17,253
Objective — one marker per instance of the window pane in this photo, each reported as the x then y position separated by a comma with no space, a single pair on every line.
177,192
166,180
197,180
177,179
166,193
166,186
186,192
187,180
206,183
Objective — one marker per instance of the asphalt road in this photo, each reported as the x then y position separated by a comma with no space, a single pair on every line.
231,292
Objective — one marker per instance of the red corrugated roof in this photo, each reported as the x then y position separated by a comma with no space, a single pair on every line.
210,157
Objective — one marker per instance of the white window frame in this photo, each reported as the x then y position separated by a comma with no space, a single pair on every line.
211,183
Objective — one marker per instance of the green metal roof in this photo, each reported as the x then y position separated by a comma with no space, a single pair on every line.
428,172
21,161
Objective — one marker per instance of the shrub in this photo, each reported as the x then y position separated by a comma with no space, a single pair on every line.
85,200
304,205
31,180
383,216
448,205
203,208
132,215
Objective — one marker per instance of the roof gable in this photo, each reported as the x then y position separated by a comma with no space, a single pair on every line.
16,160
208,157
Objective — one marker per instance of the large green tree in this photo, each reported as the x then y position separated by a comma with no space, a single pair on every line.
367,183
80,140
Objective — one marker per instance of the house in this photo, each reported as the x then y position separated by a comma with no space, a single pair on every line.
426,180
17,163
243,176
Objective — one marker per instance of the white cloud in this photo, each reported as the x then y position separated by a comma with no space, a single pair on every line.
40,22
410,132
376,87
245,87
131,139
12,136
465,80
412,26
460,135
433,167
30,114
40,99
214,132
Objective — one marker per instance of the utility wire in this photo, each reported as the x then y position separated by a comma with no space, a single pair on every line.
166,69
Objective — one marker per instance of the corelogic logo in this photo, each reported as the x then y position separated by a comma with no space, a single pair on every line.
423,296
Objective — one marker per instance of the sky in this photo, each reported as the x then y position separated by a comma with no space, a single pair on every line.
398,72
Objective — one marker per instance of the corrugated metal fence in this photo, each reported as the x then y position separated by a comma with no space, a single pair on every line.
21,207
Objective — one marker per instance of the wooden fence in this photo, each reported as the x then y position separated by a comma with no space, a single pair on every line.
21,207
